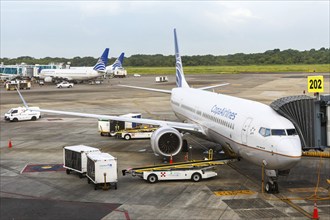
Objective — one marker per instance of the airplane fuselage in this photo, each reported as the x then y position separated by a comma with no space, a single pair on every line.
71,74
249,129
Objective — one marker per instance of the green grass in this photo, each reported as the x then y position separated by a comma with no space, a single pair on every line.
308,68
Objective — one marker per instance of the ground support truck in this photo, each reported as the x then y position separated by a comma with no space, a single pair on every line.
128,134
110,127
102,170
192,170
75,158
22,114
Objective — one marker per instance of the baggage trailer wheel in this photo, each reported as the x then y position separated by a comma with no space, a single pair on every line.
196,177
67,171
152,178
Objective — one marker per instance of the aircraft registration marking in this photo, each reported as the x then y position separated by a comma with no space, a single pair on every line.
234,193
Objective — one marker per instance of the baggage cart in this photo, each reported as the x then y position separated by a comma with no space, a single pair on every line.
102,170
75,158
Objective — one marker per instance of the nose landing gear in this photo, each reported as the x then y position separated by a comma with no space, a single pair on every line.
271,186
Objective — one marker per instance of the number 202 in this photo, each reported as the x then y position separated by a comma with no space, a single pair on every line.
315,84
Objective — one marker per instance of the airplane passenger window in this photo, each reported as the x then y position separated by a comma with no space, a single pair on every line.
291,132
278,132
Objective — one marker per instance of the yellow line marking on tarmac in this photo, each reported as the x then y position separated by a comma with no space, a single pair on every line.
297,190
234,193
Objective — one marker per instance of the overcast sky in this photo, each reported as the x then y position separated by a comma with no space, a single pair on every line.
84,28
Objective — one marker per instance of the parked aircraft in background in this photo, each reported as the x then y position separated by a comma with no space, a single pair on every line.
118,64
245,129
77,74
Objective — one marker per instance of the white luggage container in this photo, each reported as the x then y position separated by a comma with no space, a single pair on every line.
102,170
75,158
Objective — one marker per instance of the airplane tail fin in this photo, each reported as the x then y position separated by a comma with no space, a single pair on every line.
102,61
180,79
119,62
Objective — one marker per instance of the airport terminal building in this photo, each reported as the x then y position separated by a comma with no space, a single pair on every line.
9,71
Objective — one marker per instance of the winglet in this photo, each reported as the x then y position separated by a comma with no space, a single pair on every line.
102,61
180,79
24,102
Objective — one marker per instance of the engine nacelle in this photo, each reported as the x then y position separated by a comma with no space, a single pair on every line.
166,141
48,79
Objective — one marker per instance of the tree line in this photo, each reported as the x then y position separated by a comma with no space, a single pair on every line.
271,57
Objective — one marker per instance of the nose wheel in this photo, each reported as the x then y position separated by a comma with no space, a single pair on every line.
271,187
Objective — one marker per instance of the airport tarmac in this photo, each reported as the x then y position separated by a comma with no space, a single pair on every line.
235,193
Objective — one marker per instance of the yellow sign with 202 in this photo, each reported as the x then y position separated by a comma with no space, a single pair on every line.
315,84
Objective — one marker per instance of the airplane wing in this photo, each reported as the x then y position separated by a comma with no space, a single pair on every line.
148,89
177,125
169,91
214,86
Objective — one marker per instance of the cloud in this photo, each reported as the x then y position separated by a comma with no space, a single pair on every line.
229,14
92,9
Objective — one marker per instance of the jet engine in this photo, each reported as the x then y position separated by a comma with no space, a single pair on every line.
48,79
166,141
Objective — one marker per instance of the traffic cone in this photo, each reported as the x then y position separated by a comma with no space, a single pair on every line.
10,145
171,159
315,212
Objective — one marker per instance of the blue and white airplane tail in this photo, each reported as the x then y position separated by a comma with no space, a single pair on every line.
180,79
119,62
102,61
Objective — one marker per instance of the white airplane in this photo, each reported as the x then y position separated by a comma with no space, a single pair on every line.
247,129
118,64
77,74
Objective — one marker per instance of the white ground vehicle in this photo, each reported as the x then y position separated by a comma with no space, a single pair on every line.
191,170
178,174
64,85
136,133
22,114
119,73
111,127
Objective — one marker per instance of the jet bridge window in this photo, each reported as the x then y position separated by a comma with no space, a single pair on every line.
278,132
291,132
264,132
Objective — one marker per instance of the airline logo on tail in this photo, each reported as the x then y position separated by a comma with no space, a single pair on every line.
119,62
180,80
102,61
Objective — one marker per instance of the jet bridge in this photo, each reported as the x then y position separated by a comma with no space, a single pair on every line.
310,116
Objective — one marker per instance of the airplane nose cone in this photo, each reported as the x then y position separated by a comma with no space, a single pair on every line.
290,147
289,151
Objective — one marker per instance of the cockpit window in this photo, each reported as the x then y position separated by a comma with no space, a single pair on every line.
291,132
278,132
264,132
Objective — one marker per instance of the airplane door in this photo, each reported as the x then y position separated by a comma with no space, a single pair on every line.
245,129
